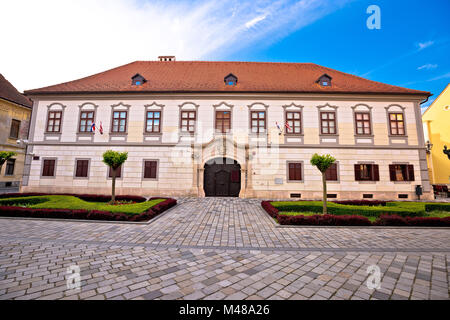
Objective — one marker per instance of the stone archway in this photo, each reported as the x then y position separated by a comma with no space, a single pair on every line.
222,178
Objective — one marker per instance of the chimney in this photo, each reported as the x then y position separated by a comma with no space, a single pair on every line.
166,58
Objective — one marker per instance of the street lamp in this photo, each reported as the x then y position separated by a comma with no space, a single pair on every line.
428,145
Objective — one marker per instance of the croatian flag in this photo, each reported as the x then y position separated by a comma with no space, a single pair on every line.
288,127
93,127
101,128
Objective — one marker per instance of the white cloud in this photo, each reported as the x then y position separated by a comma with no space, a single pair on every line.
423,45
51,41
427,66
443,76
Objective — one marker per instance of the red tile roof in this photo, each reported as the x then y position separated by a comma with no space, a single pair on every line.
208,76
8,92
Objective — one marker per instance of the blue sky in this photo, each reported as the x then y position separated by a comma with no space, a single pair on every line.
62,40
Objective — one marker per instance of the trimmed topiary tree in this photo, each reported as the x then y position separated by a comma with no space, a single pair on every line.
4,156
323,162
114,160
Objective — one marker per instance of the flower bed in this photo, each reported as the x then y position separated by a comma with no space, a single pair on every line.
85,197
352,219
15,211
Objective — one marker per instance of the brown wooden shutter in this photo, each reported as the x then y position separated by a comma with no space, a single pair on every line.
375,173
357,172
291,171
118,172
298,173
410,172
331,173
392,172
49,168
150,169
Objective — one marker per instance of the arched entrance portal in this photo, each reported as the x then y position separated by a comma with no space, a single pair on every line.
222,178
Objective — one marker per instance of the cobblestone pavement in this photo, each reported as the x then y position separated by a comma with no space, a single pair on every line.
219,248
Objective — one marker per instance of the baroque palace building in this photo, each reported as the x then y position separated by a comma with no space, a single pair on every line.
247,129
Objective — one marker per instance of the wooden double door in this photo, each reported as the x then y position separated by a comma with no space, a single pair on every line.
222,178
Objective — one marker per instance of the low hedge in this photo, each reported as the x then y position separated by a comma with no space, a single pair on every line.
361,202
11,211
437,207
18,201
85,197
340,209
353,220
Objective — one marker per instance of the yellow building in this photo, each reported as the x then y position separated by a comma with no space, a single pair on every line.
15,115
436,121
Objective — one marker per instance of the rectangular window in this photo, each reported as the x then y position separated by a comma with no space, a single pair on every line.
119,121
258,121
293,120
150,169
9,170
15,127
118,172
48,169
82,167
331,173
328,122
397,124
54,121
362,121
86,121
401,172
153,121
366,172
223,121
188,119
295,171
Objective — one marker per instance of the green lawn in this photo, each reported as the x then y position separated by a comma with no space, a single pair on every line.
310,208
74,203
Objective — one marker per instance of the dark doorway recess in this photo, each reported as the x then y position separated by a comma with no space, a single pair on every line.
222,178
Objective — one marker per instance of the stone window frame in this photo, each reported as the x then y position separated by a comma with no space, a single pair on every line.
157,170
368,181
302,171
405,125
154,107
334,109
82,108
88,170
13,167
403,181
222,107
363,108
188,106
338,173
18,122
54,170
119,107
258,106
121,171
299,109
56,106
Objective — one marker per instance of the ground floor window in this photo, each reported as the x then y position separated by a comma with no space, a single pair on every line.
295,171
150,169
10,164
118,172
367,172
331,174
401,172
82,167
48,168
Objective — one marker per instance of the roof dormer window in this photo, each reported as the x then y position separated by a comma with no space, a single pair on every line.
324,80
138,80
231,80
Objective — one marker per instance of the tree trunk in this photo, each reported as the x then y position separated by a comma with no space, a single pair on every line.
113,194
324,183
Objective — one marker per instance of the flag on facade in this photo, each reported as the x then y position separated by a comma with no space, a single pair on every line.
93,127
278,126
101,128
288,127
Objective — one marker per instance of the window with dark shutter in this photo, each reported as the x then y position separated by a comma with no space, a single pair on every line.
410,172
367,172
82,168
118,172
150,168
48,168
10,164
15,127
295,171
331,173
401,172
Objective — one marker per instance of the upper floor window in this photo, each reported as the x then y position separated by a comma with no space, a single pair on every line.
231,80
54,121
397,124
258,121
188,119
401,172
86,121
153,121
223,121
293,122
366,172
15,127
119,121
362,121
328,122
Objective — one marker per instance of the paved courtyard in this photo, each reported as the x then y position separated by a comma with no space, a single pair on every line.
219,248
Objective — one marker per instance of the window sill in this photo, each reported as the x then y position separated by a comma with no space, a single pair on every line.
397,136
364,136
85,133
152,133
295,181
328,135
294,134
52,133
118,133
